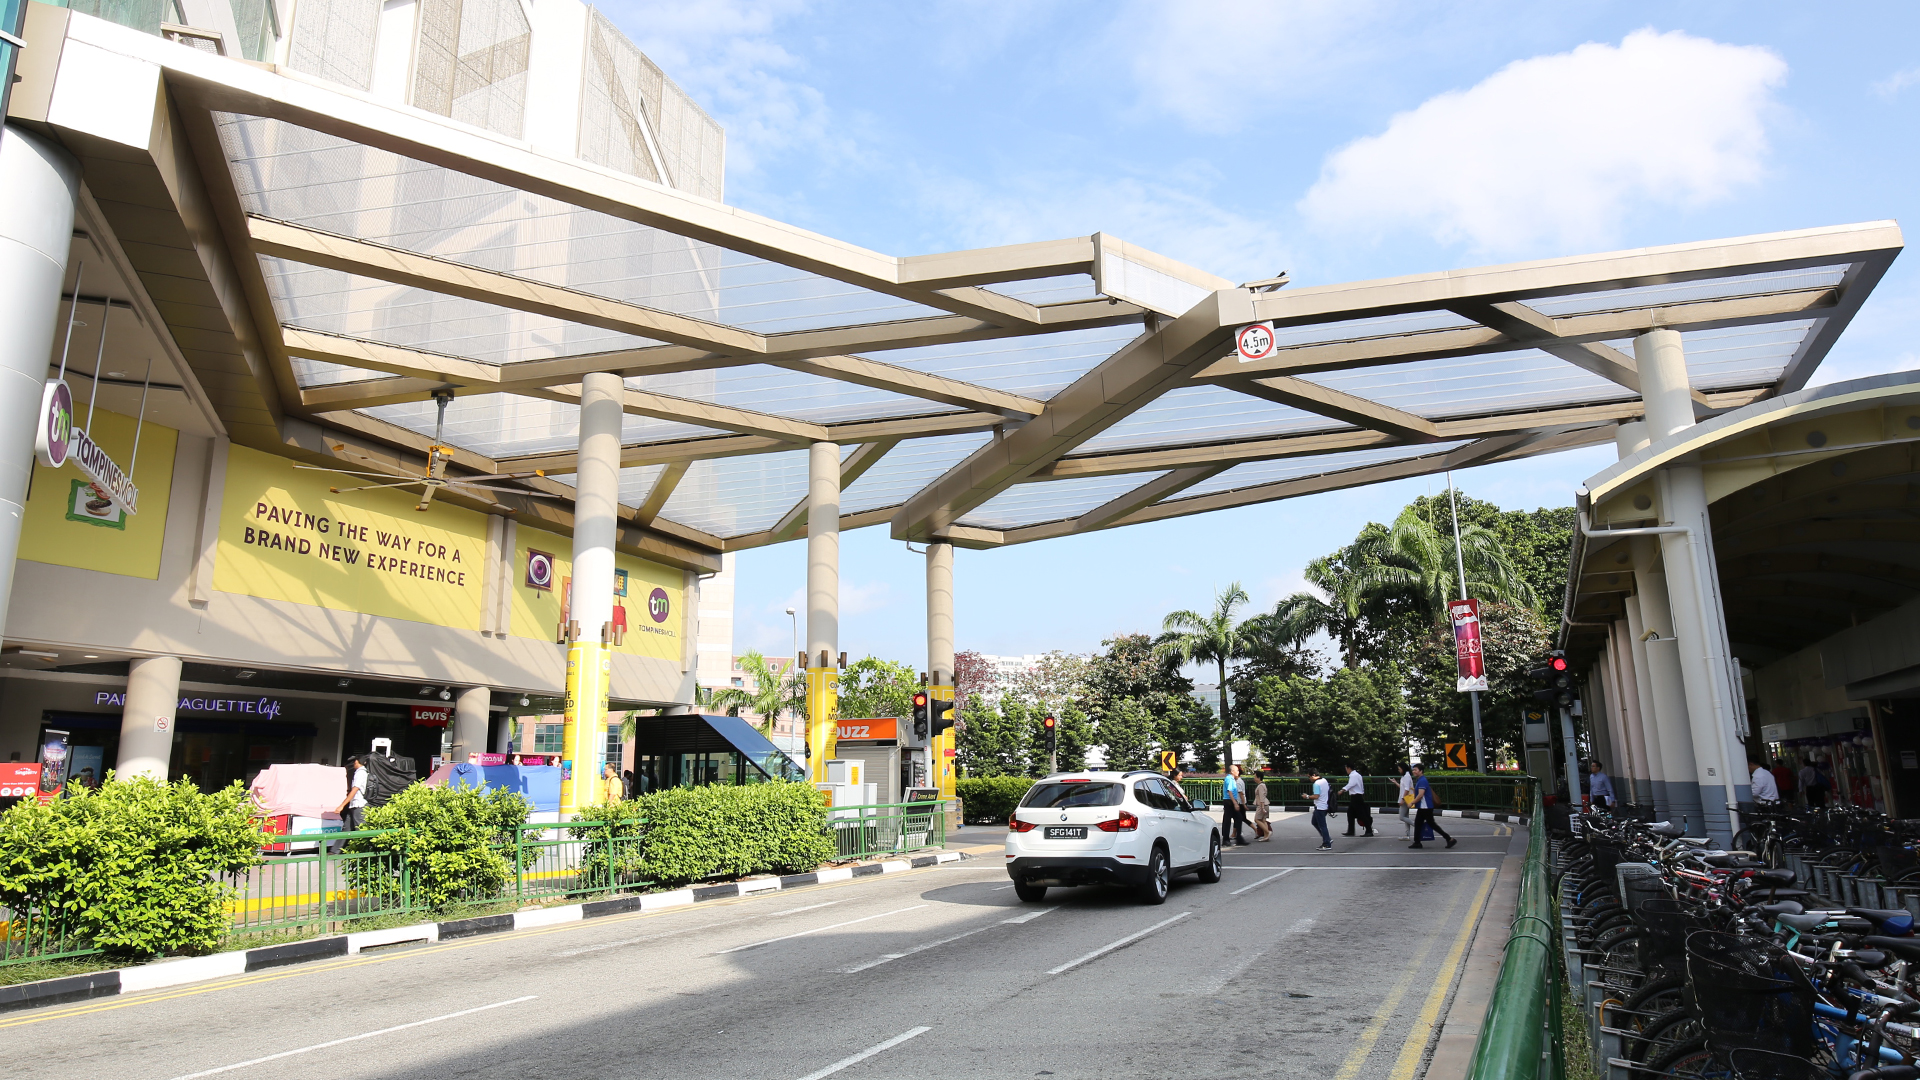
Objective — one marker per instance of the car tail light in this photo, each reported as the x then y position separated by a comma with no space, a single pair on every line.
1014,824
1126,822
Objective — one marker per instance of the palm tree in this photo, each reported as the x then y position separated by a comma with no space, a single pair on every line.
770,694
1335,610
1416,560
1213,637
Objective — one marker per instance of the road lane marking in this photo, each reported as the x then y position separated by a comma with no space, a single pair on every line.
816,930
584,949
1416,1045
1262,881
1030,916
1218,982
354,1038
1105,949
1370,1034
867,1053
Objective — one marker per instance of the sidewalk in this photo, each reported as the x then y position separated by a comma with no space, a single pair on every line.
1460,1030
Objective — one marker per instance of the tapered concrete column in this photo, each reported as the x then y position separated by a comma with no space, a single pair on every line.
823,603
146,721
1670,700
1698,622
1598,701
595,524
940,657
1643,694
41,182
1627,706
471,711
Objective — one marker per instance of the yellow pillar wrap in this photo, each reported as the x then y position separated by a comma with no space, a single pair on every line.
588,666
823,704
940,752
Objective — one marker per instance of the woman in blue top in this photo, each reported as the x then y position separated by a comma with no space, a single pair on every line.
1423,806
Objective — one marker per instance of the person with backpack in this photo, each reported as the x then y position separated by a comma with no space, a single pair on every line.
1424,804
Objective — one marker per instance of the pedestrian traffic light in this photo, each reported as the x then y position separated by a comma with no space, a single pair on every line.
1053,733
1558,680
942,717
920,716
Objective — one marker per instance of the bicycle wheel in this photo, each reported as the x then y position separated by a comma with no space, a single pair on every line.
1691,1059
1658,996
1664,1033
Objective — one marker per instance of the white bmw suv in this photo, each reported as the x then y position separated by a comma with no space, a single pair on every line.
1109,828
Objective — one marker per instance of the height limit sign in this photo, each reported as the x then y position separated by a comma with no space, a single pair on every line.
1255,341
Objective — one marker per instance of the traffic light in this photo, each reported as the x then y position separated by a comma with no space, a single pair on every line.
942,717
920,716
1558,680
1053,733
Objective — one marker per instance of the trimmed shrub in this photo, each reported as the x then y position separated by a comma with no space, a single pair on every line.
450,839
990,800
133,867
617,825
717,831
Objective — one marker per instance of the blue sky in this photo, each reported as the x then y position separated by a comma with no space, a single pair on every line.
1338,142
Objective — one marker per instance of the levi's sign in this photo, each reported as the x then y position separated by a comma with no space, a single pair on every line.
57,441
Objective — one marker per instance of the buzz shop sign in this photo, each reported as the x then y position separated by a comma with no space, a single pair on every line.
58,442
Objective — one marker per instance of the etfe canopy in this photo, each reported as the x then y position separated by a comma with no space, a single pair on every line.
994,396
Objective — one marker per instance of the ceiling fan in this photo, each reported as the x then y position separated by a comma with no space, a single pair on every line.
438,456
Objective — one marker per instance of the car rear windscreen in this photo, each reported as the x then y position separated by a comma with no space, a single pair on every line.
1061,796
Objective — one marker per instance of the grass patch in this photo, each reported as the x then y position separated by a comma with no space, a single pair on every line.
260,939
34,971
1576,1051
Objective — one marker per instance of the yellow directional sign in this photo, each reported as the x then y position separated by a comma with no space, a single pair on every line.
1169,760
1456,755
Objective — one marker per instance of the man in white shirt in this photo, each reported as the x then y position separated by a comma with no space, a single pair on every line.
353,808
1765,789
1406,797
1322,796
1356,792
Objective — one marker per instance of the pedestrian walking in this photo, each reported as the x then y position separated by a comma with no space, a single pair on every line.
1424,804
353,808
1783,780
1262,825
1322,797
1600,786
1233,822
1813,784
1406,798
1356,792
1766,791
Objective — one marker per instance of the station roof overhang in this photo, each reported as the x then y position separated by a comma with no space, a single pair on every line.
1814,505
324,264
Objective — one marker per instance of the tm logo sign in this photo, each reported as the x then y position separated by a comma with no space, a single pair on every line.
657,605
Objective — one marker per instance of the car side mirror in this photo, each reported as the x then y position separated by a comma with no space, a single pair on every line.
1197,805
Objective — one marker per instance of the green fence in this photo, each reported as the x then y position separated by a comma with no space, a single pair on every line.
306,884
1511,794
1520,1037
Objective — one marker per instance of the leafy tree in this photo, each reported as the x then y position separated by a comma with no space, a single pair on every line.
1076,734
769,694
995,741
1413,559
1340,607
1130,733
874,687
1190,727
1354,714
1211,638
1130,669
1539,542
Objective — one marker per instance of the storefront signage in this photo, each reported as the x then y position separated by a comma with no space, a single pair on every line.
1465,615
885,728
19,779
58,441
432,715
267,707
53,765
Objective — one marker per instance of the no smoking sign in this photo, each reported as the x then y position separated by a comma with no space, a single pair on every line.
1255,341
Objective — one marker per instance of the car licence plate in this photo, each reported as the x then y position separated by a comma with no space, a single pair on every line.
1066,832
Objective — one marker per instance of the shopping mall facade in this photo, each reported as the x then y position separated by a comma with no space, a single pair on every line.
374,359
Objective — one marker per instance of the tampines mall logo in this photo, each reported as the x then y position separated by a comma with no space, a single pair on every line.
657,605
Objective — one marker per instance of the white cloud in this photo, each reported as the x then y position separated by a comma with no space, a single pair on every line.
1216,64
1897,82
1558,150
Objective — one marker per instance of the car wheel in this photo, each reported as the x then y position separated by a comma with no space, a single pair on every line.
1159,878
1210,872
1029,893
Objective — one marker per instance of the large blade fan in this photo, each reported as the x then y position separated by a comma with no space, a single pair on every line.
435,476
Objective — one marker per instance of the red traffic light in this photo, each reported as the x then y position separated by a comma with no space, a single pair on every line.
1559,663
919,701
1048,722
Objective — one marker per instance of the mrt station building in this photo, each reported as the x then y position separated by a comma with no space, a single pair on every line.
396,369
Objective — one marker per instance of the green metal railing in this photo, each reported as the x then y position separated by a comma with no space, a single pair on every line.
1509,794
1520,1037
310,885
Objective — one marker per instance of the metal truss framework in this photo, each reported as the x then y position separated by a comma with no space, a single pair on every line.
952,402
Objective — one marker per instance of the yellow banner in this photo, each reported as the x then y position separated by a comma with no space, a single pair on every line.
284,536
941,750
585,727
647,598
70,523
823,706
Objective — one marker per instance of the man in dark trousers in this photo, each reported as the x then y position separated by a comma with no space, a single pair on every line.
1424,804
1356,792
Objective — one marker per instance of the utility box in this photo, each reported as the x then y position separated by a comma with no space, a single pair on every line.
873,745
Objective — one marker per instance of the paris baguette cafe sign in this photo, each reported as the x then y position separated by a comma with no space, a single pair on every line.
59,442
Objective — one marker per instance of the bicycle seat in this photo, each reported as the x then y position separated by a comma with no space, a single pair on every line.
1775,877
1905,948
1732,862
1869,959
1784,907
1892,921
1804,924
1666,829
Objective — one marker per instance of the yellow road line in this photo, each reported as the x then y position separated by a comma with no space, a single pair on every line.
1416,1045
1370,1034
322,967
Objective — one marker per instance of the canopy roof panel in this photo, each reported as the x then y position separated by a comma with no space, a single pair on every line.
375,257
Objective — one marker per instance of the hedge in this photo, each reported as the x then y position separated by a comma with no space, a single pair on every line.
989,800
451,840
134,867
721,831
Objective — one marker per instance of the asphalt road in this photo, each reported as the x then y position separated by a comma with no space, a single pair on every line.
1333,967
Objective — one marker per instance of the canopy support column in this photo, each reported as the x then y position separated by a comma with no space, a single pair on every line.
147,719
823,604
596,507
940,657
471,710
